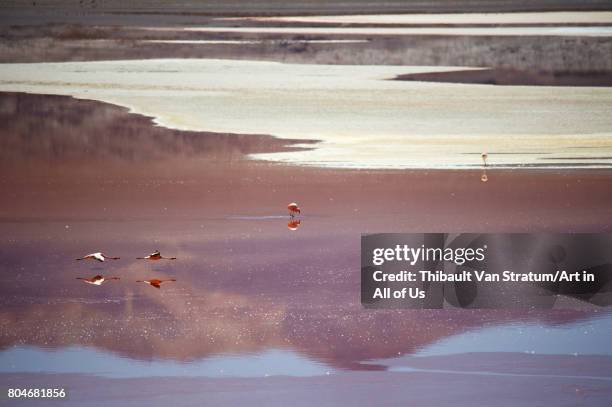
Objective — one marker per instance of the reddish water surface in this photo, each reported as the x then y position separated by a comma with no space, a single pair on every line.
81,176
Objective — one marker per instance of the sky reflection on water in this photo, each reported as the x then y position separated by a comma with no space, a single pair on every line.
588,337
273,362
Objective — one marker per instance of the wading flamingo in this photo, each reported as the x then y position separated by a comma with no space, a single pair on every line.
294,224
97,280
156,255
97,256
294,209
155,282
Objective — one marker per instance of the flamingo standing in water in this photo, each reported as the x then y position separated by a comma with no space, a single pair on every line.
294,209
294,224
155,282
97,280
97,256
484,157
156,255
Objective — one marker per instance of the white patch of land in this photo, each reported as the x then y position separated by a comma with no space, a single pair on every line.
247,42
363,119
553,17
588,31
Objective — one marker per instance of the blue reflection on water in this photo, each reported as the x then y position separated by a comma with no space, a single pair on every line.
502,374
78,359
590,337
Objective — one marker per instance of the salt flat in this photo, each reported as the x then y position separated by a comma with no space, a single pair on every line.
243,42
552,17
363,119
588,31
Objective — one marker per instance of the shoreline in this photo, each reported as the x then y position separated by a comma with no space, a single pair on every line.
403,132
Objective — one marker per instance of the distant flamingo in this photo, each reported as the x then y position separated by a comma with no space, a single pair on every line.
97,280
97,256
155,282
294,209
484,177
156,255
294,224
484,158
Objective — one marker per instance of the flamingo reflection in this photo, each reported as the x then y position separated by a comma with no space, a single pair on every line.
294,224
155,282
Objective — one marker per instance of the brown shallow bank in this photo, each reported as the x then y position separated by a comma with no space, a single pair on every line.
93,35
514,77
57,8
70,42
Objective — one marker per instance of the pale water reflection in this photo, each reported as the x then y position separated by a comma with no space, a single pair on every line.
273,362
589,337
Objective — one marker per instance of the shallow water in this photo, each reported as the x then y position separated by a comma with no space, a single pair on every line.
265,308
589,337
584,338
256,294
273,362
